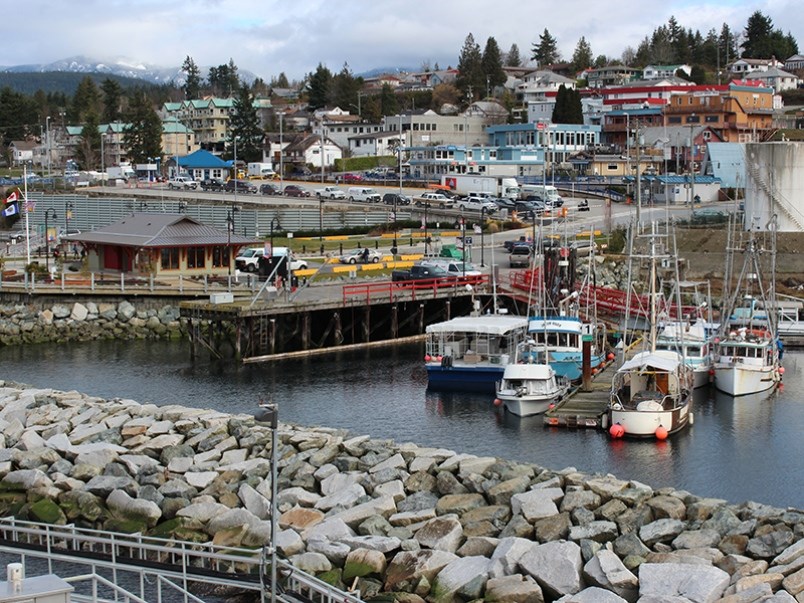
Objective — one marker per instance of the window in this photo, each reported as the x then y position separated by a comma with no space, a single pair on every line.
674,120
220,257
195,257
170,259
711,119
693,119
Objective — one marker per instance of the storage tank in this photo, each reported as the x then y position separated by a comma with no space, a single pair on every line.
774,184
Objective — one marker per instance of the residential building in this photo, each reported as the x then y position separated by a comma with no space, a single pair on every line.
658,72
556,142
541,85
422,128
774,78
740,67
653,93
200,165
22,151
373,144
795,63
432,162
618,123
177,139
339,126
312,150
613,75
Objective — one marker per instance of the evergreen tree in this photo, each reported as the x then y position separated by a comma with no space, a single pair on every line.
143,134
89,146
18,116
546,51
112,99
192,82
318,87
561,108
388,102
727,45
281,81
492,66
245,127
513,58
758,32
471,80
697,75
223,79
582,57
344,89
85,100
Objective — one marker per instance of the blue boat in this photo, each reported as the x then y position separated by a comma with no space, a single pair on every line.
470,353
559,341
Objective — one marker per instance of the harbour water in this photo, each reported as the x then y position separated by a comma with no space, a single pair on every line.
744,449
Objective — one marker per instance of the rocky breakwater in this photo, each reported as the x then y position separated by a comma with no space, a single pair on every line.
59,323
422,523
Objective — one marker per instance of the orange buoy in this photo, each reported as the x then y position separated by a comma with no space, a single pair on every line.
497,401
439,358
610,356
594,371
428,358
781,370
660,433
616,431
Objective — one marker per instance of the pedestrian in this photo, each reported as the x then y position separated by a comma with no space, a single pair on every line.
75,251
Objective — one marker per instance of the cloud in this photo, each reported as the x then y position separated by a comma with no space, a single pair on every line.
272,36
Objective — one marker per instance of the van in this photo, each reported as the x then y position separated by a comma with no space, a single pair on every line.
248,260
364,194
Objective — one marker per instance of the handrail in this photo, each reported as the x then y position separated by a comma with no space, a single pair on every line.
380,292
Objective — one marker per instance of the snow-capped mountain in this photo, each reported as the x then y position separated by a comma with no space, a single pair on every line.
120,66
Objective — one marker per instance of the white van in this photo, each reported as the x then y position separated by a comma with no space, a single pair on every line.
362,193
248,260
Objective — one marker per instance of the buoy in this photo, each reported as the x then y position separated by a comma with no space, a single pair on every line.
428,358
781,370
594,371
616,431
711,372
660,433
497,401
610,356
717,339
439,358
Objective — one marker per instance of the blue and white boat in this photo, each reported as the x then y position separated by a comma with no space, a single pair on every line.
470,353
559,340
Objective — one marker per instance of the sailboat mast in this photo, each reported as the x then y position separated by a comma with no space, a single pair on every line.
653,290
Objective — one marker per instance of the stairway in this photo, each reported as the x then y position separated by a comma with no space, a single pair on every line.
777,199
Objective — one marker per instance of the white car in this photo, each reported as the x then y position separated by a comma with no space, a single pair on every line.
182,183
477,204
330,192
360,256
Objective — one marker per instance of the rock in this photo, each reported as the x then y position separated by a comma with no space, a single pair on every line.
661,530
607,571
478,546
464,578
136,508
695,539
104,485
443,533
794,583
459,503
585,499
341,499
254,502
536,504
332,528
513,589
770,543
27,479
231,519
46,511
408,568
698,584
288,543
509,551
556,566
353,516
552,528
383,544
501,493
667,507
300,518
312,563
599,531
339,481
364,562
596,594
790,554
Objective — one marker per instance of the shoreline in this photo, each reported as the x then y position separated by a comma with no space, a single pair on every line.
431,522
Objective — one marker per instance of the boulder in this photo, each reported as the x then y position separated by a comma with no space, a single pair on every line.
508,553
556,566
137,508
661,530
443,533
364,562
536,504
408,568
607,571
464,578
696,583
513,589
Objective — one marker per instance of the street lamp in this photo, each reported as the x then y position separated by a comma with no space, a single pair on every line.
230,226
274,220
281,153
47,146
482,237
426,238
692,164
49,212
323,132
321,220
269,413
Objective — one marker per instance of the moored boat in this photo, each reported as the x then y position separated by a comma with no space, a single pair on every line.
747,362
529,387
559,340
470,353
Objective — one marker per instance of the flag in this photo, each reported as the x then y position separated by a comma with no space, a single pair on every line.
30,206
12,197
10,210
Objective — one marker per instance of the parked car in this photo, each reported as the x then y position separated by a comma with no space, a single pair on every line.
182,183
395,199
330,192
248,260
583,205
456,267
361,256
420,271
353,177
433,200
212,184
520,256
241,186
270,189
477,204
505,203
364,194
294,190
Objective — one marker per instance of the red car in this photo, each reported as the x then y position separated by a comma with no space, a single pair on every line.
353,178
293,190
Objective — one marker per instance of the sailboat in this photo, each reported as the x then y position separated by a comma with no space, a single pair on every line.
651,394
748,354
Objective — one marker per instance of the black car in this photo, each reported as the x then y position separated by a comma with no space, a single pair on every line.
395,199
212,184
241,186
270,189
505,203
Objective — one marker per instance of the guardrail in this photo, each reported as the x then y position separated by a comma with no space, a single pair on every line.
391,291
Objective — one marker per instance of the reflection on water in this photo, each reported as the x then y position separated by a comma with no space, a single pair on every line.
737,449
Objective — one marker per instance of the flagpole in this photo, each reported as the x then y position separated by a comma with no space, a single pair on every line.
25,205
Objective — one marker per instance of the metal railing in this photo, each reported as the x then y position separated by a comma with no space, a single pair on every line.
391,291
176,564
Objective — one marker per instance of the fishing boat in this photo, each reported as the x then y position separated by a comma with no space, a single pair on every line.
559,340
693,342
651,393
747,359
529,387
470,353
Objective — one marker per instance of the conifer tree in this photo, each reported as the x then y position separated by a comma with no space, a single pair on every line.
546,51
192,82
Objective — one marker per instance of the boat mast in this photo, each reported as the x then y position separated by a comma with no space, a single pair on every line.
652,289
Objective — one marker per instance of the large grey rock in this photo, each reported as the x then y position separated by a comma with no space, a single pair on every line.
408,568
464,578
599,531
230,519
696,539
363,562
459,503
254,502
383,544
667,507
696,583
312,563
332,528
289,543
202,512
556,566
354,516
104,485
339,481
443,533
661,530
607,571
595,594
342,499
536,504
508,553
500,494
129,507
336,552
513,589
29,479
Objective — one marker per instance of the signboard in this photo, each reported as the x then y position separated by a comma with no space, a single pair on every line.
540,126
467,240
268,252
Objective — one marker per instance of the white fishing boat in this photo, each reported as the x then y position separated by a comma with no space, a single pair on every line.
693,341
529,387
651,393
748,360
470,353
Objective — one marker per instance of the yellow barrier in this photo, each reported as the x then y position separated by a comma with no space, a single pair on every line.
377,266
344,268
400,264
305,272
413,256
596,233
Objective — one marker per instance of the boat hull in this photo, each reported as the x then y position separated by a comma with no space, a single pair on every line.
481,379
643,424
744,380
522,406
569,365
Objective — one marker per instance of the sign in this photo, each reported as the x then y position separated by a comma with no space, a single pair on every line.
478,229
268,251
540,126
467,241
586,339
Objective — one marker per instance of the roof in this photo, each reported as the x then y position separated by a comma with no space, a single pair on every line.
174,126
661,360
24,145
202,159
490,324
159,230
728,162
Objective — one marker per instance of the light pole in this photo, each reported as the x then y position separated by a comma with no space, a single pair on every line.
274,220
49,212
269,413
321,220
229,229
47,146
463,238
322,153
426,238
68,213
692,165
482,237
281,153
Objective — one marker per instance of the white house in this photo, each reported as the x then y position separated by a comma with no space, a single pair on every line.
657,72
309,150
794,63
22,151
374,144
741,67
775,78
540,85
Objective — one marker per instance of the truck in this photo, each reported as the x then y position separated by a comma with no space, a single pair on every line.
421,271
330,192
499,186
124,171
261,171
543,192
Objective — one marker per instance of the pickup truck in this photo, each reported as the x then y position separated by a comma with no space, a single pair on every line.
433,199
417,272
477,204
330,192
182,183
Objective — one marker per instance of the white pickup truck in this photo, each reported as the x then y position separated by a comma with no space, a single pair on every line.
477,204
330,192
182,183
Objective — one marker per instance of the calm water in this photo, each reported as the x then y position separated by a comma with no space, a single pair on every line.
738,450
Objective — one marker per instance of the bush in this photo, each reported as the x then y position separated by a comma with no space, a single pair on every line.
618,239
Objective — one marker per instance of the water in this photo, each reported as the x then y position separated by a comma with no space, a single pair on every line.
744,449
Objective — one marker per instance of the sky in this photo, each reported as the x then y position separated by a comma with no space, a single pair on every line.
267,37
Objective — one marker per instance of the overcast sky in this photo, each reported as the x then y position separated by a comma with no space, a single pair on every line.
271,36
